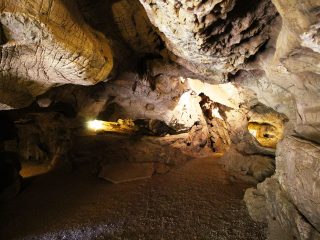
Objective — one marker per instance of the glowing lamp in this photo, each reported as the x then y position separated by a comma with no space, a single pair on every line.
121,126
96,125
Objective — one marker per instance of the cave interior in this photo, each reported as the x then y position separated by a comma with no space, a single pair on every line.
145,119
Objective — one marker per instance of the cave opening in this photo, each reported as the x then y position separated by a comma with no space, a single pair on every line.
266,134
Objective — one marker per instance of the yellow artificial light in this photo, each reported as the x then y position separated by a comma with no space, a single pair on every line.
96,125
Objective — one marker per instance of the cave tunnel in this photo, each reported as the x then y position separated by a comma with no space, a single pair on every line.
190,119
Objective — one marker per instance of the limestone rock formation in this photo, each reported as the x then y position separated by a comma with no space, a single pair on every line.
266,125
126,23
212,37
298,167
201,120
270,93
289,200
269,203
311,39
254,167
45,44
295,67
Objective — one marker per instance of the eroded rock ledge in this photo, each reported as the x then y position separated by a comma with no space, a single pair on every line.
289,201
212,37
44,44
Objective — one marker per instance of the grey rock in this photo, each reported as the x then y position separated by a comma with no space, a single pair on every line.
269,203
298,168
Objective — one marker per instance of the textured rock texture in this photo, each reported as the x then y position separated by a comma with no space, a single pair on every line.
201,120
44,138
295,67
266,125
126,23
289,201
269,203
270,93
254,167
298,172
44,44
173,101
212,37
311,38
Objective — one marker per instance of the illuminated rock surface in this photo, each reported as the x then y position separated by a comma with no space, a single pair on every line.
212,37
289,199
44,45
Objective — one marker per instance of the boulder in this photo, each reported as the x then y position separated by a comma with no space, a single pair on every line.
298,172
269,203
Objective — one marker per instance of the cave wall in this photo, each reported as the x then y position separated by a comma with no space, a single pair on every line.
295,66
289,199
214,38
46,44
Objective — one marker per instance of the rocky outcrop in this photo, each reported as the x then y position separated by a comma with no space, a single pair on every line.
127,25
295,66
289,201
45,44
254,167
298,168
269,203
212,37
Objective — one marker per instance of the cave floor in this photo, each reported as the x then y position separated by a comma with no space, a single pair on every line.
196,201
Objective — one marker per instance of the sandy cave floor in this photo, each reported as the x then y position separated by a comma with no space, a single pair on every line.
196,201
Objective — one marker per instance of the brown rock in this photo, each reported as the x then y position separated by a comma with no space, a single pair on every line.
298,168
44,45
212,37
269,203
